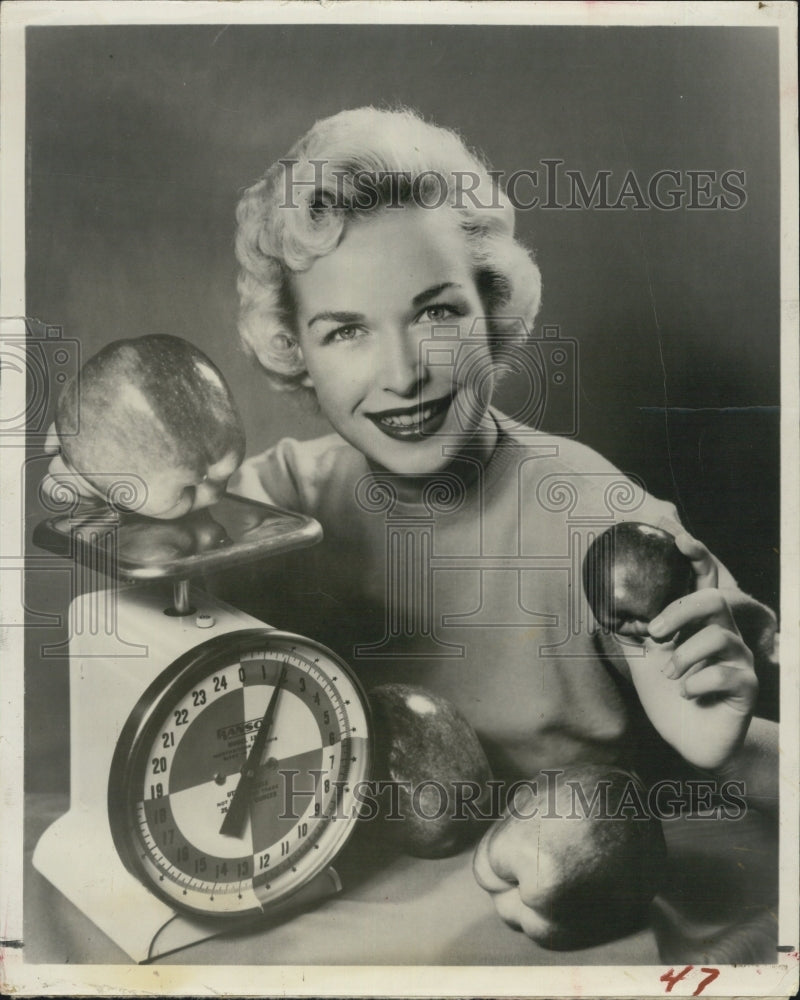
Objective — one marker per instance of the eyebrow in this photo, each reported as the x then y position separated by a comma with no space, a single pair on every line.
337,317
353,317
432,292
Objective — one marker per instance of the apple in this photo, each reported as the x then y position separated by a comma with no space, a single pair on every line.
631,573
569,872
427,747
156,413
144,540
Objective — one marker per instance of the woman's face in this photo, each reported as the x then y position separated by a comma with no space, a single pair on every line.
393,334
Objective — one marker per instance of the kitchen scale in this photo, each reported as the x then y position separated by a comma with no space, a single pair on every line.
214,760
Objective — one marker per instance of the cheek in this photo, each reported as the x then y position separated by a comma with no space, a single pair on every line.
340,383
476,373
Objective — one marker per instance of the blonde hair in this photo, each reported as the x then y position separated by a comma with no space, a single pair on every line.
355,162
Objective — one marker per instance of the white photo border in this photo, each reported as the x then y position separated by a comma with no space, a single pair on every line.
66,980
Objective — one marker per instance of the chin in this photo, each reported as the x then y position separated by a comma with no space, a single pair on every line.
423,458
416,469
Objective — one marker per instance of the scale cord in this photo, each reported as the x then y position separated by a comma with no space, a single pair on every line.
162,928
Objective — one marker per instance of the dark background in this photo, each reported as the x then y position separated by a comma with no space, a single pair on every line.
140,140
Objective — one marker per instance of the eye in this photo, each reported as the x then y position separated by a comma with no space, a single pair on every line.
439,313
342,334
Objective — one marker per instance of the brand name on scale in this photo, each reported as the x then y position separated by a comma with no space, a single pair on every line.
239,729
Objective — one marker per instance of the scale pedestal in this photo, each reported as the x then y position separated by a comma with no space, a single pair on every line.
77,853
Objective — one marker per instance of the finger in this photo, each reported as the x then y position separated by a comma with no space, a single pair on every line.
58,468
703,563
61,469
707,605
208,493
501,852
711,643
633,631
52,443
65,490
58,492
740,686
516,914
61,476
510,907
534,925
485,875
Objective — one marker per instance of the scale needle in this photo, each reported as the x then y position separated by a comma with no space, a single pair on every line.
236,816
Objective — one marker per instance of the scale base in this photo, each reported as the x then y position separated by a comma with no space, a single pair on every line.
140,924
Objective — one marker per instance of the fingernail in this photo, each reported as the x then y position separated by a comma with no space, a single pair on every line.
656,625
682,690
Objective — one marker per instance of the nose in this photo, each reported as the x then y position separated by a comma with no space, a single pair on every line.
402,368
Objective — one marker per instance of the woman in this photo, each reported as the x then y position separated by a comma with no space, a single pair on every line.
373,278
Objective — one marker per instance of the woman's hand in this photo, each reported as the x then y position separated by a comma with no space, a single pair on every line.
61,476
696,679
165,492
569,837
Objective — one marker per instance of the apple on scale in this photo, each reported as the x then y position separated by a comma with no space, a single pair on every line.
156,423
150,427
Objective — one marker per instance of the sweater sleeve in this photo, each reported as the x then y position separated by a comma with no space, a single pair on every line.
292,474
269,477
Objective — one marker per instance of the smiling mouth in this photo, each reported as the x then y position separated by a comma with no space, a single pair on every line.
413,423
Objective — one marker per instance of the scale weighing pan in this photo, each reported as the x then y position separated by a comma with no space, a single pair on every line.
133,547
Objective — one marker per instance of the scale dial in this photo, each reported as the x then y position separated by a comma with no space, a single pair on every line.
193,738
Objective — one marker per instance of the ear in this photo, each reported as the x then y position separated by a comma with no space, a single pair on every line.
305,378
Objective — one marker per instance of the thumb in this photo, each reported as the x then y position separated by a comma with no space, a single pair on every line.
482,868
52,444
703,563
61,475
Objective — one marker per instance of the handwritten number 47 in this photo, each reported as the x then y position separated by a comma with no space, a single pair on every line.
672,977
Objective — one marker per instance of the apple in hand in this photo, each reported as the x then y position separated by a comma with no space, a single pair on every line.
631,573
425,746
155,411
569,873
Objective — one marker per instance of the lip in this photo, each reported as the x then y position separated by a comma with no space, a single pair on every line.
420,427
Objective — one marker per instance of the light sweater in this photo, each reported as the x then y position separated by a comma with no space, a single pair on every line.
475,591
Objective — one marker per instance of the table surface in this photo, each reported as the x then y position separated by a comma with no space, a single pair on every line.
718,906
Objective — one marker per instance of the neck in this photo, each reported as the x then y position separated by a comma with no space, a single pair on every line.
465,466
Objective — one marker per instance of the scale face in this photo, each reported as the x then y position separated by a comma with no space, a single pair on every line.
191,744
215,761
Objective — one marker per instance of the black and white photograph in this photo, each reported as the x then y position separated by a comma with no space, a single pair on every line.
399,499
